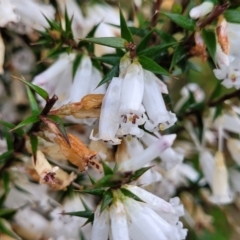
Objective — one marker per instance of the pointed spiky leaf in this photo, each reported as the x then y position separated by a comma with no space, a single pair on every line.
114,71
107,199
107,170
129,194
41,92
125,32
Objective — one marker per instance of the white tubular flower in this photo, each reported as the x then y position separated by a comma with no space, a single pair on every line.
220,186
57,78
233,146
234,175
109,118
101,226
33,227
2,54
228,122
153,102
233,33
34,19
207,165
81,82
7,13
197,92
169,157
131,109
118,218
73,10
148,154
68,226
229,74
169,211
201,10
132,90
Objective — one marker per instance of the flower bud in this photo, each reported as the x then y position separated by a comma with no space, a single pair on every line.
201,10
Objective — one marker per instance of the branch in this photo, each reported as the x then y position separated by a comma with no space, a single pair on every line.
224,98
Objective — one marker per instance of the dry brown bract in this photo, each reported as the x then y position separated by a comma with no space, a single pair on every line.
77,153
89,107
55,177
222,37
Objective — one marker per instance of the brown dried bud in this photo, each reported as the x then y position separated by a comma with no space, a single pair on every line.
199,49
89,107
53,176
54,34
77,153
222,37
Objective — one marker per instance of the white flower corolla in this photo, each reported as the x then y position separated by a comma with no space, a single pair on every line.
229,74
34,19
17,198
57,78
221,193
96,14
66,225
153,102
196,91
201,10
73,11
233,146
34,227
119,225
7,13
233,33
148,154
109,119
132,90
169,157
206,160
234,176
152,219
131,147
101,226
228,122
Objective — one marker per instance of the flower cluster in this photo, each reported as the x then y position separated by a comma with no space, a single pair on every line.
133,99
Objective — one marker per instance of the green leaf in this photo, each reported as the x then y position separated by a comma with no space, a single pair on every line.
150,65
104,181
76,63
125,32
19,132
94,191
32,100
217,91
90,220
8,138
218,111
85,205
83,214
6,181
34,145
7,212
107,199
93,181
139,173
144,41
5,227
232,15
107,170
30,120
129,194
178,55
114,71
41,92
165,37
183,21
68,24
113,42
210,41
109,59
60,126
4,157
156,50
